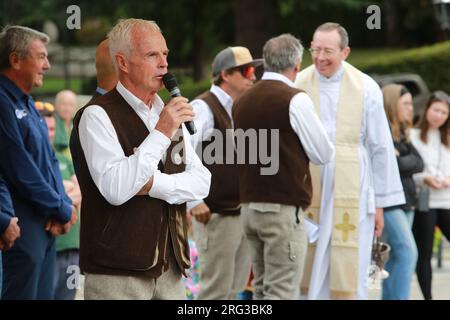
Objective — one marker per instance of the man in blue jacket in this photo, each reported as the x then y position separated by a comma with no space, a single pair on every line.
30,168
9,229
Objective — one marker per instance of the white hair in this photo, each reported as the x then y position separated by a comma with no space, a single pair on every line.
282,53
119,38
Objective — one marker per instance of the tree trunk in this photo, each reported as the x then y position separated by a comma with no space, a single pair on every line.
256,22
198,15
393,33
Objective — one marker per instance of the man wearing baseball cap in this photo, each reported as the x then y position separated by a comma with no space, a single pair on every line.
222,246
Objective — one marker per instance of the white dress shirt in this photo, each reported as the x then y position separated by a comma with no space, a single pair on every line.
119,177
204,122
204,117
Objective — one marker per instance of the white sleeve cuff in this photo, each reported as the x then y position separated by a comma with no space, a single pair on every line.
163,185
193,204
155,141
390,200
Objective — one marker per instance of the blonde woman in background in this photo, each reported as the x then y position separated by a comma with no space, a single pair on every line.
398,219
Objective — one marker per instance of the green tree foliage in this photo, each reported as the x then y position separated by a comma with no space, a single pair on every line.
197,29
431,62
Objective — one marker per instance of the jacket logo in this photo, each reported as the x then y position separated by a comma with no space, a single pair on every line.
21,113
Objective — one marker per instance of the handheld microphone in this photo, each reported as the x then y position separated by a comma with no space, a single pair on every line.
170,82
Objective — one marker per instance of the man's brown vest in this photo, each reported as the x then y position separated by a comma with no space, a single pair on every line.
223,196
135,237
266,106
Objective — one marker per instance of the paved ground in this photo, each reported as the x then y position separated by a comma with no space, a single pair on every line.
441,281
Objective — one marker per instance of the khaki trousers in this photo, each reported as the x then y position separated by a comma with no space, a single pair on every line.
224,258
168,286
278,243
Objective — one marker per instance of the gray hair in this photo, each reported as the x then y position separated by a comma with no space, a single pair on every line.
17,39
119,38
281,53
330,26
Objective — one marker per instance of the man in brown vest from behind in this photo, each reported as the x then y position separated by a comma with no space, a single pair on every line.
272,205
136,173
223,250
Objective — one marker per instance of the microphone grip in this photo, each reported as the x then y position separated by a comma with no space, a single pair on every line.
175,92
190,127
170,82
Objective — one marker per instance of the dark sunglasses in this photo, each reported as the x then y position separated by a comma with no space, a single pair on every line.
247,71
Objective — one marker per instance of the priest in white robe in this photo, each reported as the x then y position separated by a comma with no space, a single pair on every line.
351,191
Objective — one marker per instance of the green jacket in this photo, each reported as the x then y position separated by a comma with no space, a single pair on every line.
62,137
69,240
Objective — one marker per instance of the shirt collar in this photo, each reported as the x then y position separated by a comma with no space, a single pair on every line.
224,98
101,91
12,88
277,77
136,103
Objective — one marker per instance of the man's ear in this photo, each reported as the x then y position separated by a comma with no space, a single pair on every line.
224,75
298,65
346,51
122,62
14,61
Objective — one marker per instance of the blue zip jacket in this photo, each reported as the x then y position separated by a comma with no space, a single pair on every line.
27,160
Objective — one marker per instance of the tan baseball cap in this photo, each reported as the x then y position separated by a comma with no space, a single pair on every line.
232,57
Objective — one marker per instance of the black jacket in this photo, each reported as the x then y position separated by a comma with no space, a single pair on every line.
409,162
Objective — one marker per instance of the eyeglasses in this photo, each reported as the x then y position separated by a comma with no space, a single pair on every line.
247,71
44,106
327,52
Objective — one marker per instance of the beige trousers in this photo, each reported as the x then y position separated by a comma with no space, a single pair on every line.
278,243
224,258
168,286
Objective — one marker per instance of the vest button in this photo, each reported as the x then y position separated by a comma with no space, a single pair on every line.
177,159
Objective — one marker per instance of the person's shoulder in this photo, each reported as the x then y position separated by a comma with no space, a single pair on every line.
370,82
7,106
414,134
4,98
303,98
199,105
304,72
200,99
91,112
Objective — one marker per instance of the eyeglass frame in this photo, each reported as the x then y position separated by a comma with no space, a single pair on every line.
327,54
243,70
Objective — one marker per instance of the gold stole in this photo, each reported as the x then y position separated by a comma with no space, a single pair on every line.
344,262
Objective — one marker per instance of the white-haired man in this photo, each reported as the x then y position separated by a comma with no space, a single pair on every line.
134,179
